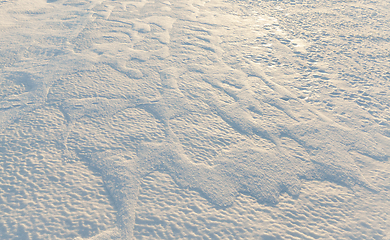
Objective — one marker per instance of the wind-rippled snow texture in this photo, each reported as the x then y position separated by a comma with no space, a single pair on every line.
163,86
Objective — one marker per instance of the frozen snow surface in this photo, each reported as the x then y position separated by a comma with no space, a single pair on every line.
193,119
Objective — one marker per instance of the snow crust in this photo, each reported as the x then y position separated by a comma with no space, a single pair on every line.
226,105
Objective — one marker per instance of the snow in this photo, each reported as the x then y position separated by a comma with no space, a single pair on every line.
194,119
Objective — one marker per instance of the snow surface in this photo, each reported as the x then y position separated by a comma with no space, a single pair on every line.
194,119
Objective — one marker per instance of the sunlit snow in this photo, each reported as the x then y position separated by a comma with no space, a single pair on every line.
235,111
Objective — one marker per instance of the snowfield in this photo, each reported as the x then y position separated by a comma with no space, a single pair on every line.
193,119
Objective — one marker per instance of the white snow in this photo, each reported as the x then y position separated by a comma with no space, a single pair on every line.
194,119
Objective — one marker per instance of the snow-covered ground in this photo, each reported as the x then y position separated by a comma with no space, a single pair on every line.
193,119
